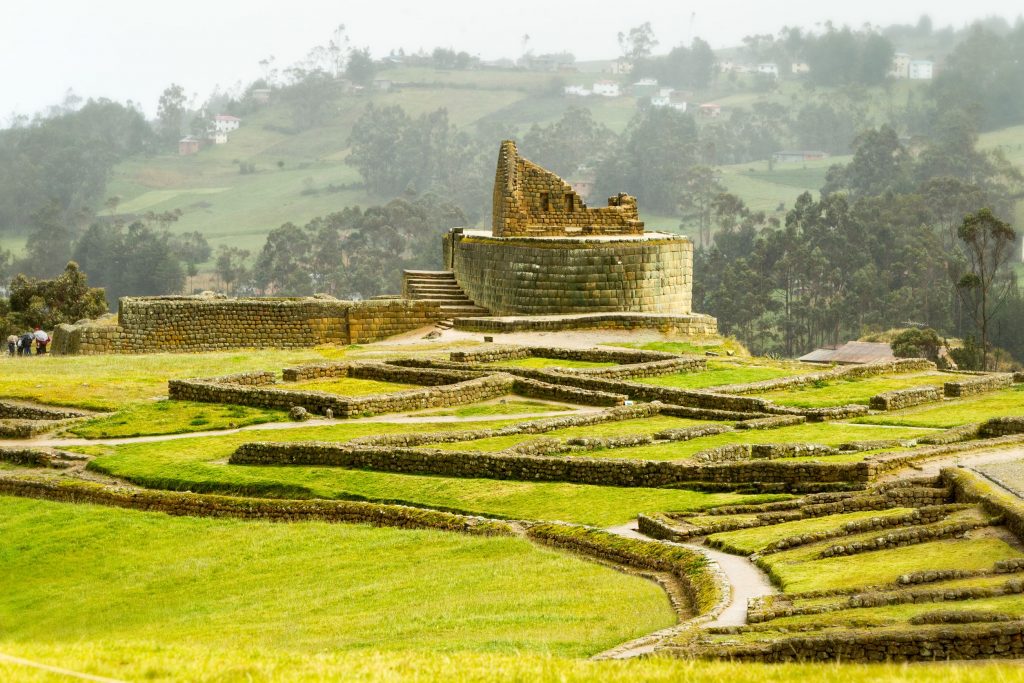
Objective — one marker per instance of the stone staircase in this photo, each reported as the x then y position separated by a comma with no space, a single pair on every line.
440,286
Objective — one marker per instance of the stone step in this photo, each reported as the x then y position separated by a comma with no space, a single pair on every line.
470,311
428,274
453,289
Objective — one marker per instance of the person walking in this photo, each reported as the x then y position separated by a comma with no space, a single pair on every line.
25,344
42,339
12,344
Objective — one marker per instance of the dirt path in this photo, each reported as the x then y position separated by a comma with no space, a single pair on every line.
745,581
63,442
56,669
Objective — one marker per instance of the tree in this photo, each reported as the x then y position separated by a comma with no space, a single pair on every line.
564,146
230,265
702,187
988,244
638,43
360,68
170,113
48,303
915,343
191,248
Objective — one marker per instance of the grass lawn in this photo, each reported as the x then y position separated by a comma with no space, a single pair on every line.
137,659
533,362
304,587
112,382
199,465
174,417
892,615
826,433
348,386
697,346
649,425
842,392
747,541
798,572
956,412
509,406
724,372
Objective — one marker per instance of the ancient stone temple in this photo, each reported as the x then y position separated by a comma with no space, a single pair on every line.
549,253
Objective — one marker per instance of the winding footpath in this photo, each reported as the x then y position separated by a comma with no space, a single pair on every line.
742,580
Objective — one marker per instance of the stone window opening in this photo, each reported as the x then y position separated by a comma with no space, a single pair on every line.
570,205
545,202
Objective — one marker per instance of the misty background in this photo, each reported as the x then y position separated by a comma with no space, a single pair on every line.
828,162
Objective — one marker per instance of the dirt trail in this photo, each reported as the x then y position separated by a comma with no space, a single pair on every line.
745,581
56,669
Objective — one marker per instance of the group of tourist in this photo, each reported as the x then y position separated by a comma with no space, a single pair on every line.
22,345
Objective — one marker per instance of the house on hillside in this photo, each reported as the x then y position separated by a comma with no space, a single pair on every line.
226,123
217,137
261,95
799,68
188,145
768,69
576,91
607,89
921,70
711,109
382,84
900,66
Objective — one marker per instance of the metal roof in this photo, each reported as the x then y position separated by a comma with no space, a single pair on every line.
851,353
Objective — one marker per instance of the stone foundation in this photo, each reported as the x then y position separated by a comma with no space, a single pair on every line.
649,273
203,323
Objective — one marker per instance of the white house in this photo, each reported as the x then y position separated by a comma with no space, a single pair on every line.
218,137
798,68
661,100
606,89
576,90
769,69
921,70
225,123
900,65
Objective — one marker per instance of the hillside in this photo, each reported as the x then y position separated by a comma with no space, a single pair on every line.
299,176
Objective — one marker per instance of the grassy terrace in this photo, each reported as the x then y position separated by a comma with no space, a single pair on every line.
200,465
841,392
112,382
173,417
348,386
951,413
505,406
827,433
648,425
304,588
728,372
798,570
749,541
534,362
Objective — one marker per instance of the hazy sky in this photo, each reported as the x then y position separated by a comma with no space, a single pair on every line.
132,49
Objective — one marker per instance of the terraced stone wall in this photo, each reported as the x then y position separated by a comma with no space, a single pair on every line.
547,276
190,324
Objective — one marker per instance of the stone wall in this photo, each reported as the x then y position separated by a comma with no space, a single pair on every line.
578,470
207,505
531,201
905,398
531,276
689,325
978,385
454,392
190,324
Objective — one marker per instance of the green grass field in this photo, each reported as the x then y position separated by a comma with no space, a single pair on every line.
727,372
200,465
173,417
348,386
308,587
951,413
841,392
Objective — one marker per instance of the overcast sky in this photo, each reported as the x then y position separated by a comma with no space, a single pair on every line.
132,49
